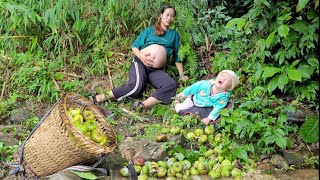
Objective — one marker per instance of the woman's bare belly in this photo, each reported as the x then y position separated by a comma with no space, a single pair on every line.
157,53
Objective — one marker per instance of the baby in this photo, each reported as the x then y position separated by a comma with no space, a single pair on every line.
208,96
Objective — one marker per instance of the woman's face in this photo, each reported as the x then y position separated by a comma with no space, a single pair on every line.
167,17
223,81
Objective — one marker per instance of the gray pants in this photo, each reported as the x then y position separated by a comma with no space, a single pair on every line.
139,75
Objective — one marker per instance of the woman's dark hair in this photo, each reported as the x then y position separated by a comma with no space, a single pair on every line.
157,28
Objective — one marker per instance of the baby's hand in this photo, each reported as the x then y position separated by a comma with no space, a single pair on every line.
179,96
206,121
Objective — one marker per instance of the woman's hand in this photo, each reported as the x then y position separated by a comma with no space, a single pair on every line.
206,121
146,59
184,78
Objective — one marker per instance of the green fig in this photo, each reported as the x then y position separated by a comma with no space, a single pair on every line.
97,135
124,172
80,126
88,115
91,124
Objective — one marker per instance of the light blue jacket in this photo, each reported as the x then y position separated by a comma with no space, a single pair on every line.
202,98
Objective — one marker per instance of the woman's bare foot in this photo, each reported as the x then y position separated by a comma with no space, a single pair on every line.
101,97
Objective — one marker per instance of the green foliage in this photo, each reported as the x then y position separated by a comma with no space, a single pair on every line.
151,131
7,152
85,175
184,24
312,161
283,59
259,120
7,105
309,131
32,122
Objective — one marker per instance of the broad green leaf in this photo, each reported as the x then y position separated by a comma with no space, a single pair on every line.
301,4
270,71
241,23
309,131
281,142
279,132
179,156
241,153
282,81
268,140
316,4
261,43
280,55
294,74
313,62
237,129
225,112
233,22
262,22
300,26
254,12
270,39
292,65
284,18
273,84
283,30
306,70
85,175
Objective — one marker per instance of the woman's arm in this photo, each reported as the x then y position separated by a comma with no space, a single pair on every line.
138,43
179,66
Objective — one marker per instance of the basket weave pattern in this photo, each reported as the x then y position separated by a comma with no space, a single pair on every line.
57,144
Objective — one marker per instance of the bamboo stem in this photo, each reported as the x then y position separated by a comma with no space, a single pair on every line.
56,85
2,37
109,73
2,92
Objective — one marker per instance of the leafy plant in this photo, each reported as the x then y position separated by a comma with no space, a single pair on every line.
31,122
309,131
7,104
7,152
281,59
259,120
85,175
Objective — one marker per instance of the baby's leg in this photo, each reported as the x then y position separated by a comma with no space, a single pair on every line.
187,103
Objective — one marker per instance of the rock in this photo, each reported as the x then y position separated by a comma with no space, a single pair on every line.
113,160
299,116
279,162
147,149
293,158
314,147
11,178
257,175
8,138
19,115
2,172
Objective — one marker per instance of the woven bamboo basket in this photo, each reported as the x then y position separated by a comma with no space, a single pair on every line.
56,144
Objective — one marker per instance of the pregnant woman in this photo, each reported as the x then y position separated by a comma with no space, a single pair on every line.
151,50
